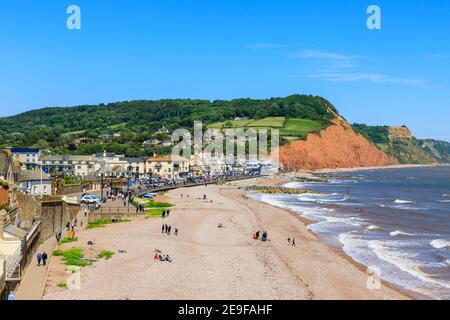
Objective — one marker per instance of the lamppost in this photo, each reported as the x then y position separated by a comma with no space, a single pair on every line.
102,175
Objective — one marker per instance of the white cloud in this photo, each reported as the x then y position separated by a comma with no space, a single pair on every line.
337,67
331,59
372,77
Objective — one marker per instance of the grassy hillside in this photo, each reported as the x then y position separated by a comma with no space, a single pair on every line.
290,128
127,127
400,144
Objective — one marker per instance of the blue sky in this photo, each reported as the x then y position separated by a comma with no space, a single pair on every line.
224,49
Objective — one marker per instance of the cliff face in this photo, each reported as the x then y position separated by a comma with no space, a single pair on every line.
437,149
338,146
407,149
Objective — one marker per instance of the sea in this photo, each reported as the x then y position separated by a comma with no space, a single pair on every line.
395,220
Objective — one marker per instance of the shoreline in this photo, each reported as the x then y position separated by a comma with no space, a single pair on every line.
413,295
360,266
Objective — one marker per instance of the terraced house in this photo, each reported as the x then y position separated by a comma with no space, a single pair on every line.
168,167
72,165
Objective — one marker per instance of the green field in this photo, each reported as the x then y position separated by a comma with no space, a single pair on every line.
274,122
290,129
300,127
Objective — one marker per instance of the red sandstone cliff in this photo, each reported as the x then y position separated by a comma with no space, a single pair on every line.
338,146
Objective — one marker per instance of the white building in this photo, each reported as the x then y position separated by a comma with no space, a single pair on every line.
35,182
27,158
72,165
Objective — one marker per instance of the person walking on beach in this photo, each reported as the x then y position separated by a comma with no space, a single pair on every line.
167,214
44,258
11,296
163,228
293,242
169,229
289,240
164,214
176,232
39,258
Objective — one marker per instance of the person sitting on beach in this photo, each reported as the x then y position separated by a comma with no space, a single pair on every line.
264,236
289,240
176,232
257,234
156,258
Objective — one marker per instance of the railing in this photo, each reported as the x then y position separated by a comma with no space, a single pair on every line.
167,187
32,230
117,210
12,263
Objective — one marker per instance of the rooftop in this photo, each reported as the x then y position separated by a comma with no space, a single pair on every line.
33,175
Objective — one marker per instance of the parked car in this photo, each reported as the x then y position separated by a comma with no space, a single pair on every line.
90,199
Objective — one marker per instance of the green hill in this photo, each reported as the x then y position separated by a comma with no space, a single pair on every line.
399,143
123,127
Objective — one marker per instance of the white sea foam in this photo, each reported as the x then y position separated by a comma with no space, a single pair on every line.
400,233
400,201
440,244
373,227
403,261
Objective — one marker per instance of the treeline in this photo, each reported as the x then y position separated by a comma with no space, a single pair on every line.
60,129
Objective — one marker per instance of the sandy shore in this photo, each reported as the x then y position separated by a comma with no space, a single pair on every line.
213,263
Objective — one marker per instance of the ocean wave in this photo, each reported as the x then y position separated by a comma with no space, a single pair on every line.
400,233
446,195
400,201
321,198
440,244
403,261
373,227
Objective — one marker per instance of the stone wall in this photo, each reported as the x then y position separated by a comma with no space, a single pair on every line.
54,216
28,209
109,216
52,212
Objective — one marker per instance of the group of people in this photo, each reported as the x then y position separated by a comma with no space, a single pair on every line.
291,242
42,257
261,236
167,229
164,257
71,226
165,214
